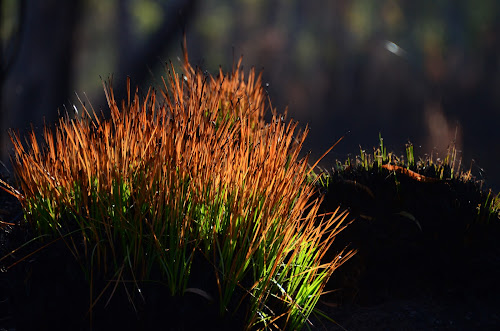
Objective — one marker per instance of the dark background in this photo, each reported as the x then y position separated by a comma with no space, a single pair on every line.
421,71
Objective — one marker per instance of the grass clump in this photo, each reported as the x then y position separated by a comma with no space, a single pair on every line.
190,175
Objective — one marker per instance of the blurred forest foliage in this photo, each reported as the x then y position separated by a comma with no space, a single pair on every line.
425,71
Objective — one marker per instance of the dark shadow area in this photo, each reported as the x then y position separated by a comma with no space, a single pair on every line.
426,258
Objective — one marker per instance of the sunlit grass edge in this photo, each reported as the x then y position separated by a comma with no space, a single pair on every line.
428,169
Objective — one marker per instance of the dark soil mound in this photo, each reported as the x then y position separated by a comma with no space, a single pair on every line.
426,259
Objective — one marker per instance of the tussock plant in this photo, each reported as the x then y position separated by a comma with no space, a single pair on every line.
187,173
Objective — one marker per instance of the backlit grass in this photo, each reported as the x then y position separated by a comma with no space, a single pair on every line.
187,172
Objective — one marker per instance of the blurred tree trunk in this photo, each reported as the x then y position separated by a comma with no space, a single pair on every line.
8,55
135,58
138,57
40,80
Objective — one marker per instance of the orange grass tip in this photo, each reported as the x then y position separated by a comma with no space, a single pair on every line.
90,146
202,126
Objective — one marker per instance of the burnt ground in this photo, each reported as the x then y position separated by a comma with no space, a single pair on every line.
425,261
